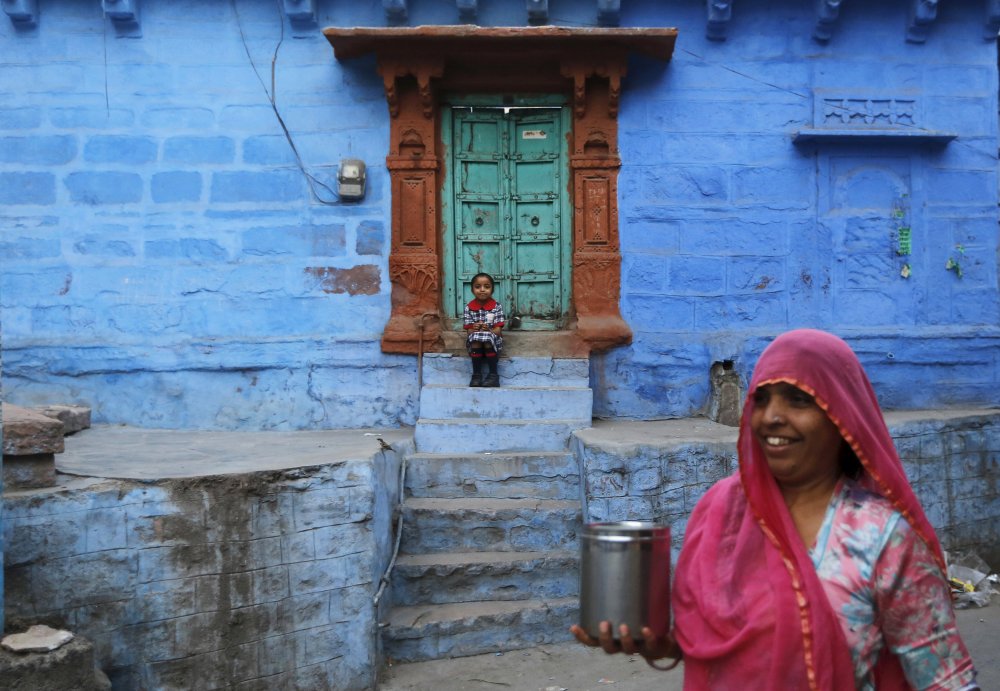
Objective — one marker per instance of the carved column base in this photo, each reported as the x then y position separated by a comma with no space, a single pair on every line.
603,331
402,335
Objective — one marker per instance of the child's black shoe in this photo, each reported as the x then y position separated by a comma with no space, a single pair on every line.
492,380
477,380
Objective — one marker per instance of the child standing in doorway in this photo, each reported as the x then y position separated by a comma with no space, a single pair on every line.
483,320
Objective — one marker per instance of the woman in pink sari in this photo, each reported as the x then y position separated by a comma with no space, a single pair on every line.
814,567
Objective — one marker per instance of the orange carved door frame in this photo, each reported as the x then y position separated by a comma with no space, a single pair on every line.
417,65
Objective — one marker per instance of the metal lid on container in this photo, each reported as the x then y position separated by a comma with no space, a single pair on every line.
626,531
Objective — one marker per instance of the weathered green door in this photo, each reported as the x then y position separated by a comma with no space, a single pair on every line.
506,210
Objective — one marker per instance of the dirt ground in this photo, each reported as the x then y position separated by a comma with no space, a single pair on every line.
573,667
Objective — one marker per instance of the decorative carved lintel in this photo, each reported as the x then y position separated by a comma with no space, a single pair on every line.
579,72
579,94
827,13
426,94
923,13
423,71
591,69
23,13
719,14
391,95
614,93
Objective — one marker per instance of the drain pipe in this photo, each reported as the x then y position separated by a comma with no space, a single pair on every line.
384,581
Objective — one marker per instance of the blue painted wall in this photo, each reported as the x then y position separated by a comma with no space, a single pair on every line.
169,261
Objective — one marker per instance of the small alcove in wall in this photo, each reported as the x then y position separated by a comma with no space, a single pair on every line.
419,66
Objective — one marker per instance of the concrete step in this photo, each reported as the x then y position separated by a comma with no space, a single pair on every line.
494,435
476,576
489,525
539,475
431,632
454,370
440,401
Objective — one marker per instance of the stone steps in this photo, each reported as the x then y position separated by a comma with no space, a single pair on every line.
431,632
491,511
483,576
441,401
489,525
455,370
539,475
494,435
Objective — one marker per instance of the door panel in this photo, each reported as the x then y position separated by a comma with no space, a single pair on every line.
508,193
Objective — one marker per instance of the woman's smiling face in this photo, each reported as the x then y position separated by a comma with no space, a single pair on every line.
801,444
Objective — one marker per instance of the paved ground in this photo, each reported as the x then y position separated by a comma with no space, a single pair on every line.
573,667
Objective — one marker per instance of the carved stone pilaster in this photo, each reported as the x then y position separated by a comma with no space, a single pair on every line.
609,74
414,172
416,288
422,71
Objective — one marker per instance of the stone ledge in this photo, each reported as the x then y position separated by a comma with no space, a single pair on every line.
73,417
28,433
29,472
69,667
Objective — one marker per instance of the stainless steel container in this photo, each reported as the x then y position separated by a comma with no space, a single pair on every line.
625,577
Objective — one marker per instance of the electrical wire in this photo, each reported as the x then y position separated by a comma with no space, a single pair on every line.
313,181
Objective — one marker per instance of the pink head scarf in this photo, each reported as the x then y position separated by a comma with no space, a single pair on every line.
750,611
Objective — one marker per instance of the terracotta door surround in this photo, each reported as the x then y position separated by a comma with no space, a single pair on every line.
420,64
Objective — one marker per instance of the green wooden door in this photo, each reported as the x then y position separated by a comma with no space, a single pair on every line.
506,210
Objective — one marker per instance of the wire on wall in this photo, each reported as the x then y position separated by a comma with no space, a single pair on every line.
313,181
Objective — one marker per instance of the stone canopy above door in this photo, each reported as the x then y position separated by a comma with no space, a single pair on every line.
420,64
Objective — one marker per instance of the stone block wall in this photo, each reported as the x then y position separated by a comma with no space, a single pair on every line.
260,581
732,232
169,259
952,461
172,261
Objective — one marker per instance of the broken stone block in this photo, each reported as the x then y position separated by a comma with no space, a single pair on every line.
73,417
37,639
70,666
27,433
29,472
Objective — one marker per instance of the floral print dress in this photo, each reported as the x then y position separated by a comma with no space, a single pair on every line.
886,587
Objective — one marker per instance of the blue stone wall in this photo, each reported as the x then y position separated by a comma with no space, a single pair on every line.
170,261
731,233
951,460
167,260
258,580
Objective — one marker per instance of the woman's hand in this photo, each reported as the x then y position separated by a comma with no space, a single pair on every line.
649,646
